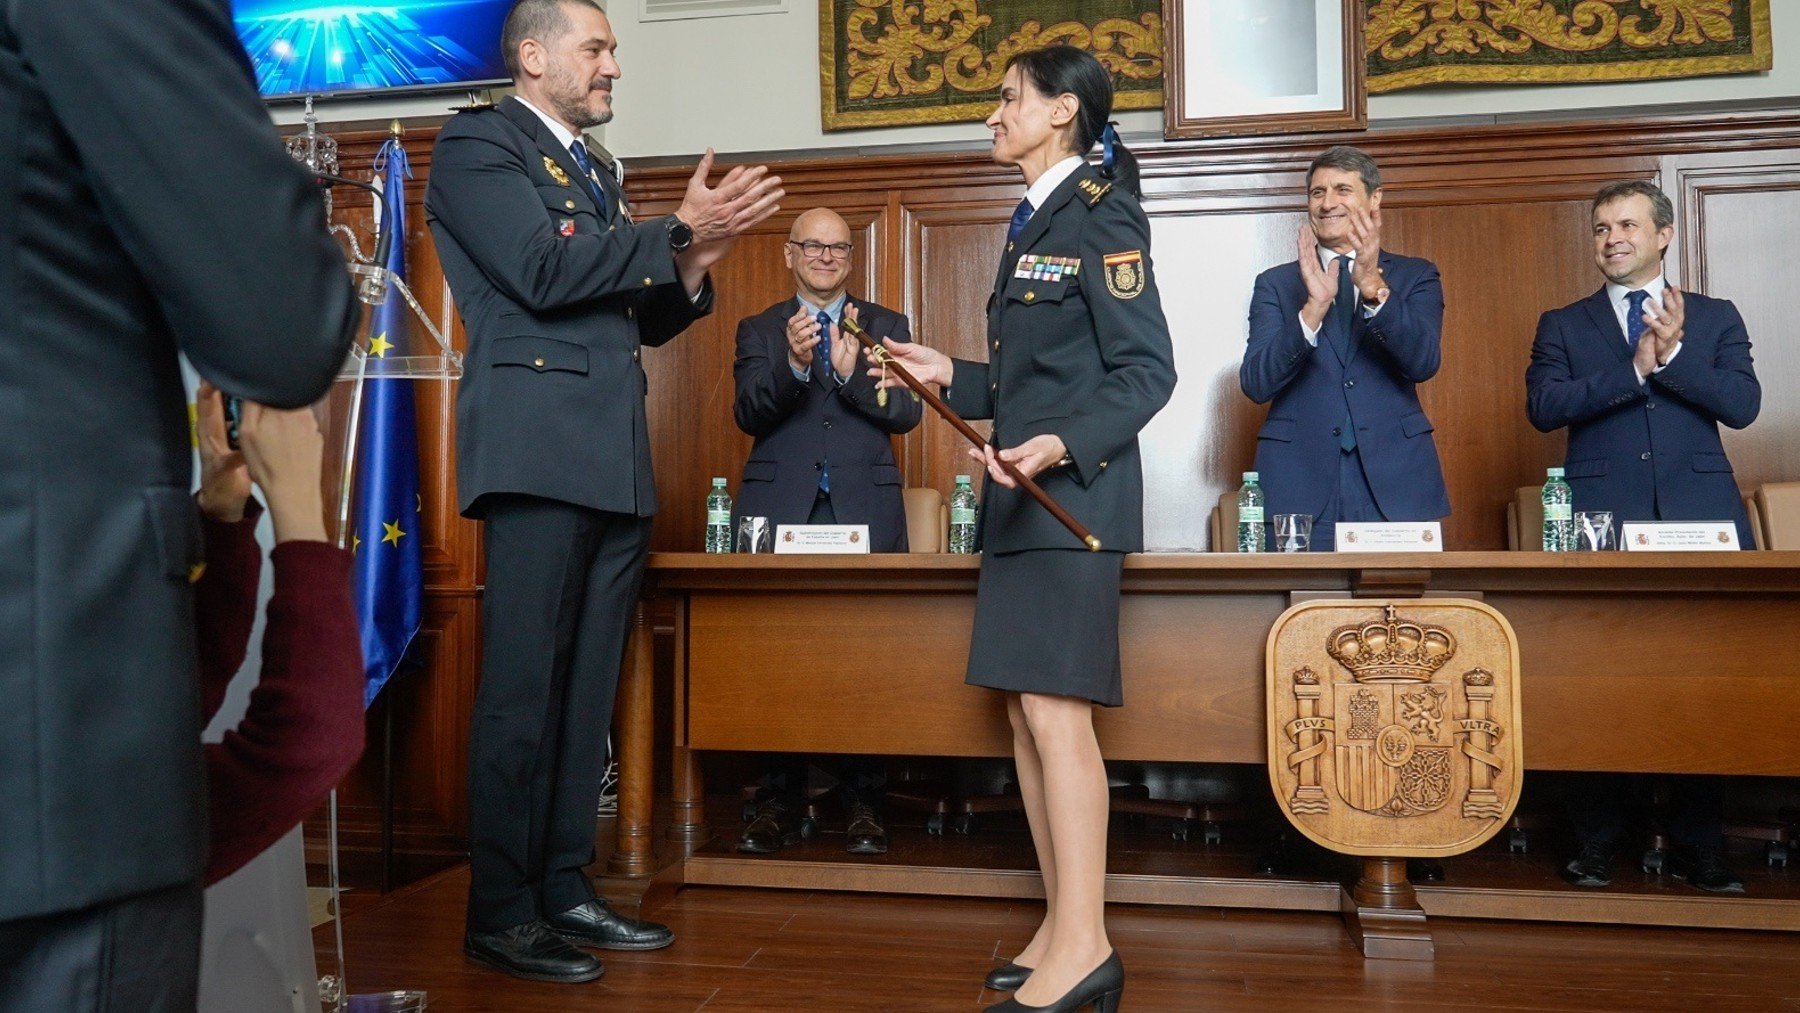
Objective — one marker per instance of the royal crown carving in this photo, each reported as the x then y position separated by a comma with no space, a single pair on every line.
1392,649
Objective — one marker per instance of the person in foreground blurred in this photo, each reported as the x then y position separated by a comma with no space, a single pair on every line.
303,730
147,209
1079,360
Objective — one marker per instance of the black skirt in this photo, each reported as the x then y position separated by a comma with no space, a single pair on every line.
1047,621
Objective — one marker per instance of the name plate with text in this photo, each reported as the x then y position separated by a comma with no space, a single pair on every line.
1680,536
1389,536
821,539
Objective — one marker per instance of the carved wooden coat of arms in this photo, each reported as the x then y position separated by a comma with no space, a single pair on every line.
1394,726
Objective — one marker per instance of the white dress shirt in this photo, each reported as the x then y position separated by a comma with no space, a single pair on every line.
1039,192
1619,296
1326,256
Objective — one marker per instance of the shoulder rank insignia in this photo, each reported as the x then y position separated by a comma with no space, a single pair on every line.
556,171
1094,190
1042,268
1125,273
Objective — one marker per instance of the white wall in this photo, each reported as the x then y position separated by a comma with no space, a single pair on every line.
751,83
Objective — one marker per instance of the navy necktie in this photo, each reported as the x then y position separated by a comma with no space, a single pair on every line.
1346,305
1021,215
1634,317
1346,297
579,150
830,377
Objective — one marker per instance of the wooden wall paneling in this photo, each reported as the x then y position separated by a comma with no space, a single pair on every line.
1736,219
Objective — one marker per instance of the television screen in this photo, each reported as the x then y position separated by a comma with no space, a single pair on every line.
315,47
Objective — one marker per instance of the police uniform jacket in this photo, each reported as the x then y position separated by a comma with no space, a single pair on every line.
1646,451
557,295
146,209
802,426
1078,348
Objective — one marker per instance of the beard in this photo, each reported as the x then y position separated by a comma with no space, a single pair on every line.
570,97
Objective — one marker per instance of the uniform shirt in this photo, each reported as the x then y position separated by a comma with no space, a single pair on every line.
1619,296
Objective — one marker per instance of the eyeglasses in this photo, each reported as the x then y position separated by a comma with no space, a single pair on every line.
815,249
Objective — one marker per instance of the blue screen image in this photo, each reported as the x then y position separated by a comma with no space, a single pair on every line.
305,47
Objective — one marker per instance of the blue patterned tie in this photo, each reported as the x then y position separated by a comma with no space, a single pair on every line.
579,150
830,374
1346,306
1634,317
1021,215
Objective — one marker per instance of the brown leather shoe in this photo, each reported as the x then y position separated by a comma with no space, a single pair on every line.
775,826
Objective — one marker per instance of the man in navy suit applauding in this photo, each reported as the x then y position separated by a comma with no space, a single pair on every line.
1339,339
1642,374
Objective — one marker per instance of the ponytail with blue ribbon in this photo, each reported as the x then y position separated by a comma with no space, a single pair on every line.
1108,139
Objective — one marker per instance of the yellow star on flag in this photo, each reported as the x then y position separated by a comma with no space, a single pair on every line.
394,534
379,345
355,543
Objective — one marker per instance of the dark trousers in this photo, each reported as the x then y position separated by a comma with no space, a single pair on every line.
1597,806
562,582
1353,501
140,953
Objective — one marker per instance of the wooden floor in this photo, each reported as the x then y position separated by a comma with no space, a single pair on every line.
748,949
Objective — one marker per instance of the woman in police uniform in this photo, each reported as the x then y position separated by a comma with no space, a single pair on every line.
1079,360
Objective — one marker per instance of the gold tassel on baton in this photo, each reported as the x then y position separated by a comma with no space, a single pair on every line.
882,356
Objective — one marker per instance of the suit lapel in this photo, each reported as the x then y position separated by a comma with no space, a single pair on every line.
528,122
1606,324
1358,322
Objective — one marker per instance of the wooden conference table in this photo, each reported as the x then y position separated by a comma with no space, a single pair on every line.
1645,662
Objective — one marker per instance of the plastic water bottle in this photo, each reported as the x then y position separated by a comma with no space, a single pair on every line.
718,518
1250,515
962,517
1559,513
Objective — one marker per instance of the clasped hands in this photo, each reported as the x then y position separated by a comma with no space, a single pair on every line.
803,336
1663,332
746,197
928,365
1365,271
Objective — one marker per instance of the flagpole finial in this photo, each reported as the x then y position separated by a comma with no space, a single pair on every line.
395,130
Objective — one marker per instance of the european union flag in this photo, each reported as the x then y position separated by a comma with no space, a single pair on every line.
387,576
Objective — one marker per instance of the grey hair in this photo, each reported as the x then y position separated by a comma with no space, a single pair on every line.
543,20
1347,159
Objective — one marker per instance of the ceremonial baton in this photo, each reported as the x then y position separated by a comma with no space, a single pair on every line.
885,358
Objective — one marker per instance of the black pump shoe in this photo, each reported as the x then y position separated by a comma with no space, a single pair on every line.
1102,989
597,925
1007,978
533,952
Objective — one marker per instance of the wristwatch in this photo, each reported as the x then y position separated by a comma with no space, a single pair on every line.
680,235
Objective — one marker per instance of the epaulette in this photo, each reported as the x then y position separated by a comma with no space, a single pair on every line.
1094,190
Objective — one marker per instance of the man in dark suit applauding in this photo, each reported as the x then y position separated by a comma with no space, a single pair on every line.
1339,339
558,288
147,209
822,452
822,456
1642,375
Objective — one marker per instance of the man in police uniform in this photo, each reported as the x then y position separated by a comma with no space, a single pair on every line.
558,288
1340,339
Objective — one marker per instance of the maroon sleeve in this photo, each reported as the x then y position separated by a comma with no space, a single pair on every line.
304,729
225,603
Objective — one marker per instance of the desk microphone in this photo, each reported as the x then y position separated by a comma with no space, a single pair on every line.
373,288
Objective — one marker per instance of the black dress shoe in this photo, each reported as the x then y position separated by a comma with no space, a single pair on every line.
1424,870
775,826
1007,977
597,925
1705,869
867,836
533,952
1101,989
1591,866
